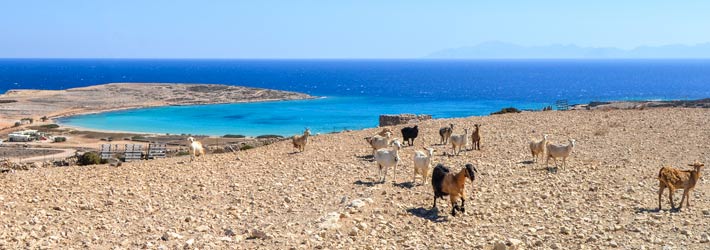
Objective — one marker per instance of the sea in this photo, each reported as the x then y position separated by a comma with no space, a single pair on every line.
353,93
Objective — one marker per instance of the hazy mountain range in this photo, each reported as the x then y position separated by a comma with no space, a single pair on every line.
502,50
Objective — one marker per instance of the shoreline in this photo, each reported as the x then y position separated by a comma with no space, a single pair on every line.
604,105
54,117
52,104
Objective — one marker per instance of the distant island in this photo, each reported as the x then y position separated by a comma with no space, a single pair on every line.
36,104
502,50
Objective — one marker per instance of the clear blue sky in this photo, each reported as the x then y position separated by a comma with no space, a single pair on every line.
333,29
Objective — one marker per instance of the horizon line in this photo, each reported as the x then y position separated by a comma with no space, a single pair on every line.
358,58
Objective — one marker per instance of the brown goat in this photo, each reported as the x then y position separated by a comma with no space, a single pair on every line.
476,138
446,183
673,179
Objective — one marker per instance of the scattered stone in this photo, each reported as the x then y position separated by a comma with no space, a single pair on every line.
202,228
170,236
189,243
258,234
704,238
357,204
330,221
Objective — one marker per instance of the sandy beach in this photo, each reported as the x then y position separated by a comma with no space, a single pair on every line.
272,198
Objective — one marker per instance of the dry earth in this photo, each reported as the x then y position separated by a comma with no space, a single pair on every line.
271,198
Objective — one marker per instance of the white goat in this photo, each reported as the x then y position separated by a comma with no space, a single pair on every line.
196,148
537,148
559,151
387,158
422,162
378,142
299,142
458,141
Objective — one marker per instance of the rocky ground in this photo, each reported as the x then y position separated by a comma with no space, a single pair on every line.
272,198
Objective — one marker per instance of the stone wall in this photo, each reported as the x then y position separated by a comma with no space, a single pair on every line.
389,120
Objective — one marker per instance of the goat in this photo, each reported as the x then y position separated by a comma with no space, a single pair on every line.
458,141
445,183
195,149
476,138
299,142
409,134
378,142
387,158
537,148
445,133
385,131
673,179
559,151
422,161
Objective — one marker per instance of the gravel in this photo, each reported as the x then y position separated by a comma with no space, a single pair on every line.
325,198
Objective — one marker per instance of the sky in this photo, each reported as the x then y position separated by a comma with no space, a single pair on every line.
333,29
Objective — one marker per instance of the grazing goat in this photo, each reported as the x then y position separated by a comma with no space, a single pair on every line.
476,138
446,183
422,161
378,142
458,141
299,142
537,148
196,148
409,134
559,151
387,158
445,133
673,179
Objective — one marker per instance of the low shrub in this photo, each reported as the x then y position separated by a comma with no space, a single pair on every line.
60,139
49,126
233,136
269,137
245,147
506,110
89,158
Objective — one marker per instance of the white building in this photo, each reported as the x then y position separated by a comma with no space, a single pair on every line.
22,136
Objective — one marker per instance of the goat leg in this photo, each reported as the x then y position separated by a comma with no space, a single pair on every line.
685,194
670,197
463,209
660,193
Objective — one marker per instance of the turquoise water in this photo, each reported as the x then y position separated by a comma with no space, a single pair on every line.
282,118
358,90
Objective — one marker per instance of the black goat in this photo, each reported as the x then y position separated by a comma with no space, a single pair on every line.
409,134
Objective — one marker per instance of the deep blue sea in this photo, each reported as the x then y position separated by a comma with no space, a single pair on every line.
356,91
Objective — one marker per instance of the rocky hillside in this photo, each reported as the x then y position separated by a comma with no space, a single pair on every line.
273,198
